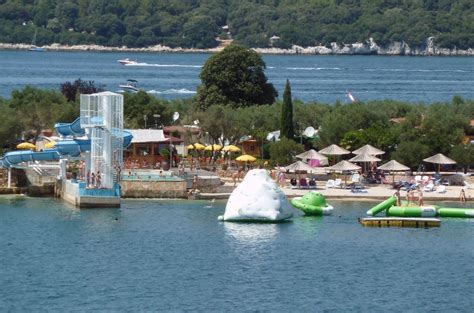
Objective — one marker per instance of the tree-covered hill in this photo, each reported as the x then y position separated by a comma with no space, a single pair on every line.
196,23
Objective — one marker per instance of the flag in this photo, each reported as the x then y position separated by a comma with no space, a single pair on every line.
351,97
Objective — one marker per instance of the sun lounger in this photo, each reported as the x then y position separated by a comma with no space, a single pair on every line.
338,183
441,189
330,183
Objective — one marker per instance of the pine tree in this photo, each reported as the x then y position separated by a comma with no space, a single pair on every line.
287,128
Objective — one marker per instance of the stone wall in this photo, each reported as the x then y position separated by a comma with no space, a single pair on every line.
154,189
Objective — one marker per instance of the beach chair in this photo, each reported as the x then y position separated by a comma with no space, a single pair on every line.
468,186
330,183
338,183
441,189
303,183
418,178
425,178
430,187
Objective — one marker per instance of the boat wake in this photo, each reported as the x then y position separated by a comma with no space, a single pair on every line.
164,65
313,68
173,91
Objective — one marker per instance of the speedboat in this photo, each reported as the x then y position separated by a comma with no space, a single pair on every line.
130,85
127,61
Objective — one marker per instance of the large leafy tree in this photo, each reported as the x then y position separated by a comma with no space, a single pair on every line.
235,76
287,126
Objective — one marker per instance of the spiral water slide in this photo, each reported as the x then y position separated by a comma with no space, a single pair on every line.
68,147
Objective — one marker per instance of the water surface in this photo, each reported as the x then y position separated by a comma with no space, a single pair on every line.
313,78
174,255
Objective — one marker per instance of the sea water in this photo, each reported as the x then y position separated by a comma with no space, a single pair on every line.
175,256
313,78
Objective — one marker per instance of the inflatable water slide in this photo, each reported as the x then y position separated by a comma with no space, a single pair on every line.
409,210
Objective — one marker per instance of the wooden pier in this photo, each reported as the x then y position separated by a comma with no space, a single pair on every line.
400,222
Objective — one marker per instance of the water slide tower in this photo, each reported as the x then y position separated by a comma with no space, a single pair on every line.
102,119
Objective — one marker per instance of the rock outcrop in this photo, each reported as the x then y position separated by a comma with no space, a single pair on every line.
359,48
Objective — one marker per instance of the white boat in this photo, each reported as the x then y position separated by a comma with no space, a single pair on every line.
34,47
127,61
130,85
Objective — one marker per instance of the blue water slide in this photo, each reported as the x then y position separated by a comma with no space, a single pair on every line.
70,129
63,148
15,157
73,147
127,138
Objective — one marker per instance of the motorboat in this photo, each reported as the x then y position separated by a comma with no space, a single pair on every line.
130,86
127,61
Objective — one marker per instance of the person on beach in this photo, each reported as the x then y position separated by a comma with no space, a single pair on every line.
281,179
88,179
92,185
420,197
462,196
195,179
98,179
409,197
236,176
397,196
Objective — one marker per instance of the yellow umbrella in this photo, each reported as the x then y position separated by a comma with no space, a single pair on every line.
50,144
190,147
213,147
246,158
26,146
231,148
196,146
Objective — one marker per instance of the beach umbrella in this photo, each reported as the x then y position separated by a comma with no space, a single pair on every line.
393,166
334,150
50,144
213,147
298,166
344,166
231,148
439,159
311,155
26,146
190,147
369,150
246,158
364,158
197,146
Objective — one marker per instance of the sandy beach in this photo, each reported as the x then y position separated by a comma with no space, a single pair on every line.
373,192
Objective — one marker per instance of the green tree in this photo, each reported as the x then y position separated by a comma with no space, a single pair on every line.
235,76
411,153
287,125
285,150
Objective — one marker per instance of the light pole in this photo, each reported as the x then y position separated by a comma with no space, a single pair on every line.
156,116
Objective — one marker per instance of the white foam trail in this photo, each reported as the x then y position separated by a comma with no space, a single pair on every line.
173,91
164,65
315,68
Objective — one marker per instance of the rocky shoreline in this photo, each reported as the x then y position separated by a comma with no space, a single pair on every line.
368,48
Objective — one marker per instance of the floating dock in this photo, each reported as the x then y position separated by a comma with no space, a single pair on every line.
400,222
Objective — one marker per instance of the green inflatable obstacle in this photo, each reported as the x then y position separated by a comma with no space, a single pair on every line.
312,203
456,212
406,210
382,206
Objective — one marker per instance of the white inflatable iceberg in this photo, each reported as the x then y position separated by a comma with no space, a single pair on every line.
257,199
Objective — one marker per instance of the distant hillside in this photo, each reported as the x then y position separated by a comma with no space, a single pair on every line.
259,23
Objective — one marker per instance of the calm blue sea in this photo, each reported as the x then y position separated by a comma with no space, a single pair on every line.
175,256
313,78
